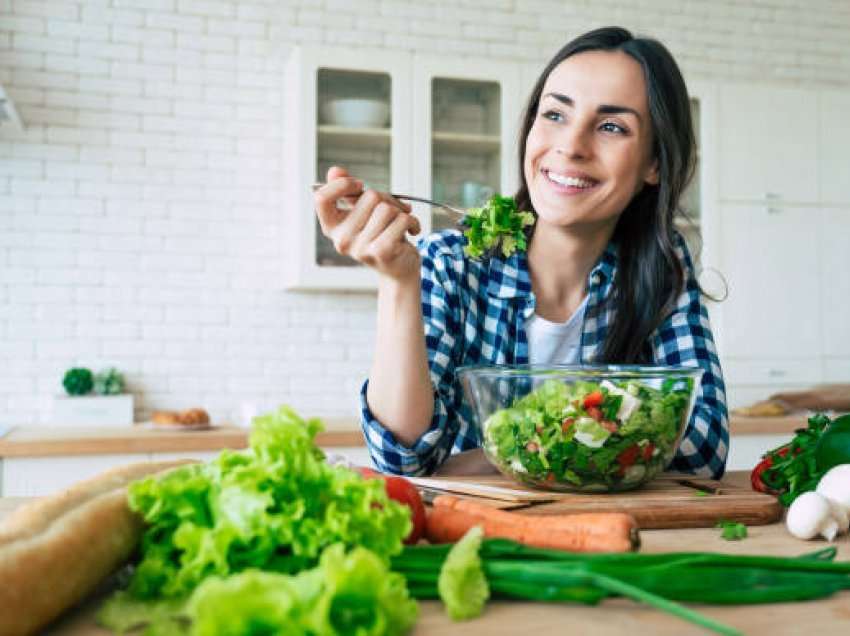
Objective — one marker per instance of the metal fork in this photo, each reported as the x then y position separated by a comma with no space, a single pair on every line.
458,212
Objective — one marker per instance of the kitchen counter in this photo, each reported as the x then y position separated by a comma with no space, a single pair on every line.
38,441
620,616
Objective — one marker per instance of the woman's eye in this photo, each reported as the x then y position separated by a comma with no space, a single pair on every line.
610,126
552,115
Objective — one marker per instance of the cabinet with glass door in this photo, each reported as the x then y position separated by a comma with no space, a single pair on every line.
426,126
465,123
349,108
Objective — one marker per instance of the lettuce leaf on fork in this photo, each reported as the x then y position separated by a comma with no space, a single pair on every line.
496,225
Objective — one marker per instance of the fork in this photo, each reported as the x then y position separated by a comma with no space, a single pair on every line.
458,212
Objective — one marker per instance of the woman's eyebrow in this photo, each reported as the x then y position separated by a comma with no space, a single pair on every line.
606,109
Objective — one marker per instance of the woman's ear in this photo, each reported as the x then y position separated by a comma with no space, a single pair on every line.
651,176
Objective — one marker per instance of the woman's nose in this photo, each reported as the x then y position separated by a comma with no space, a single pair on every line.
574,142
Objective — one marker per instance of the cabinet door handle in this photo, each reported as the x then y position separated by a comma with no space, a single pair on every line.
776,373
771,196
773,210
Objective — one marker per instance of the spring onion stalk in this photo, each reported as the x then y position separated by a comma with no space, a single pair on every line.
516,571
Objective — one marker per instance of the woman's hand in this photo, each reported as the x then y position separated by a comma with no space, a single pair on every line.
373,232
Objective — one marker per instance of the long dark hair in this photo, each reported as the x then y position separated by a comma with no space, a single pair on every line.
650,276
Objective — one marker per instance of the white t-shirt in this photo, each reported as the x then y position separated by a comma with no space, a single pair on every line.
555,342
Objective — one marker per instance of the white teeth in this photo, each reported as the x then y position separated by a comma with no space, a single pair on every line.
573,182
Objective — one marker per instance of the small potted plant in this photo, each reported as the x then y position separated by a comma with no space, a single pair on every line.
93,399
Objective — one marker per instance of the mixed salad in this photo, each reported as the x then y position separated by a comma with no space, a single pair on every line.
588,435
498,224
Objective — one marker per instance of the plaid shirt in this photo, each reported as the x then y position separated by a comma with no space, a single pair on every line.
475,313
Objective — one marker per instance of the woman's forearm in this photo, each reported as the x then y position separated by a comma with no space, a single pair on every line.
400,393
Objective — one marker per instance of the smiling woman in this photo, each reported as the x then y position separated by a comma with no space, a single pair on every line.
606,151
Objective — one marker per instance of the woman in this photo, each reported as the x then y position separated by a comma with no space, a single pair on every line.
606,150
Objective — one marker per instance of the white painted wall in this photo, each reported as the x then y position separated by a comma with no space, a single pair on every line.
140,213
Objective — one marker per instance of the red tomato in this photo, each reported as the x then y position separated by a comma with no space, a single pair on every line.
595,413
628,456
593,399
567,423
647,451
400,490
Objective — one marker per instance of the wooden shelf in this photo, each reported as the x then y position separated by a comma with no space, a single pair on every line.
376,138
465,143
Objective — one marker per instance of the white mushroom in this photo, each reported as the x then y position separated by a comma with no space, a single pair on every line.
835,486
811,515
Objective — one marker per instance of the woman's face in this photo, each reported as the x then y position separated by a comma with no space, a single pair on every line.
589,149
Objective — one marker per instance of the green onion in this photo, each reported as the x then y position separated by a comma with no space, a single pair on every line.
516,571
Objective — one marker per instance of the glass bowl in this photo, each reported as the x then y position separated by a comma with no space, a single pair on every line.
580,428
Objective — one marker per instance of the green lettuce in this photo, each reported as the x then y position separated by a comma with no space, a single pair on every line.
462,585
346,593
273,507
496,225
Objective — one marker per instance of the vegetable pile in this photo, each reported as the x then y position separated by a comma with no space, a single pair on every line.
588,436
277,507
466,574
796,467
496,225
274,540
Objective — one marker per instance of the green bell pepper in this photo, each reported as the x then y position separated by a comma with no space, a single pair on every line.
833,447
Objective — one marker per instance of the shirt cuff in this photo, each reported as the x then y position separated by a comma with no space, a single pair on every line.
391,456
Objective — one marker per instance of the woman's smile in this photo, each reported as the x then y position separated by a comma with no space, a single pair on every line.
569,182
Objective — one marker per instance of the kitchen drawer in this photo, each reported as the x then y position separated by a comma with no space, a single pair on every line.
800,372
738,395
745,451
38,476
836,370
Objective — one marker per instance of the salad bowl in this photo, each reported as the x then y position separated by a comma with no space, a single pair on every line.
580,428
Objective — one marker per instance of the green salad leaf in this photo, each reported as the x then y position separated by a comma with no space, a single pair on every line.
273,507
346,593
498,224
732,530
462,585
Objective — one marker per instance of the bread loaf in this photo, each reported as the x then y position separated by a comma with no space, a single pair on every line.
56,550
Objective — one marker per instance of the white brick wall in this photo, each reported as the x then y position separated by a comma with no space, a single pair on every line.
139,212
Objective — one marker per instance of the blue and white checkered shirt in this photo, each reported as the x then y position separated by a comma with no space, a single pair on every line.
475,313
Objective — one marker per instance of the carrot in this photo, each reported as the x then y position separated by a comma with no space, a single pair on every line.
451,517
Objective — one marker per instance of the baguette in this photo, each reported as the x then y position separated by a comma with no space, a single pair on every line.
56,550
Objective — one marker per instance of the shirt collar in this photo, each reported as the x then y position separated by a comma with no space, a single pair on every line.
509,277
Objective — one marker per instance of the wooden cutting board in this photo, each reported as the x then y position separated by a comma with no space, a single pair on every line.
672,501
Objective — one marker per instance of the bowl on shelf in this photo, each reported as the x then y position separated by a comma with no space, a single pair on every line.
356,113
580,428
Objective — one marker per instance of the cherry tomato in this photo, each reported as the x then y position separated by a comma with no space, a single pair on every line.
400,490
593,399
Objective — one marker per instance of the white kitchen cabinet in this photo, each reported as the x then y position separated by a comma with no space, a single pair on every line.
768,144
745,451
374,148
754,380
771,262
37,476
834,283
836,370
833,142
450,135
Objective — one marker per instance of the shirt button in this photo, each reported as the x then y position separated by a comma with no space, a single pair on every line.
596,279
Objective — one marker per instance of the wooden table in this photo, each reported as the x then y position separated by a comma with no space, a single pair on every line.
620,616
